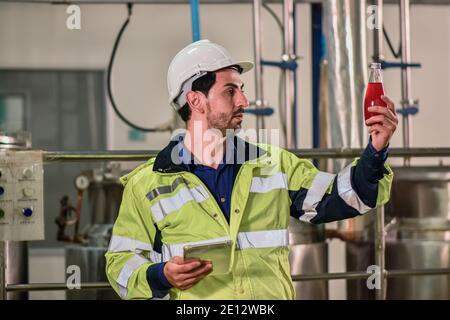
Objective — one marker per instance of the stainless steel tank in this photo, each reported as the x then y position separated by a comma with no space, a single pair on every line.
418,254
402,254
421,203
90,258
421,194
419,238
16,252
308,255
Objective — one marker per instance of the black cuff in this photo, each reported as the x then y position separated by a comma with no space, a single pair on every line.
159,286
371,164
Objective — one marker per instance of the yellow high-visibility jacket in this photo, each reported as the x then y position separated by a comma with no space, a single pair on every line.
165,207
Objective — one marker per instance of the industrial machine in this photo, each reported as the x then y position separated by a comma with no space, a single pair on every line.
21,206
87,248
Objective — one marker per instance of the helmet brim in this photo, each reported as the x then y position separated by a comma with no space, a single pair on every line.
245,65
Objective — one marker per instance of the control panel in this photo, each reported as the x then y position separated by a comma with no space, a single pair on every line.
21,195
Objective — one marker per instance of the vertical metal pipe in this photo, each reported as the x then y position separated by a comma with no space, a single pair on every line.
16,267
380,248
2,270
378,39
288,8
406,72
195,20
257,43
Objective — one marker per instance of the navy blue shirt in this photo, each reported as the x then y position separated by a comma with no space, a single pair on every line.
220,183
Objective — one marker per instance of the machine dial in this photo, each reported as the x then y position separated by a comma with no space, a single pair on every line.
27,173
82,182
28,192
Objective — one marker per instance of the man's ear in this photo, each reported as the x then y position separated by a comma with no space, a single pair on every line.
194,99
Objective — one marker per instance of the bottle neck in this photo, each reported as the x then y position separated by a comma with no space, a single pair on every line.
375,76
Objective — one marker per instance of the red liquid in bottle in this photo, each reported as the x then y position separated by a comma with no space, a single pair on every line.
373,98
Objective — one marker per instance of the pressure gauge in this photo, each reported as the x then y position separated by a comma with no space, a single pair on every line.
81,182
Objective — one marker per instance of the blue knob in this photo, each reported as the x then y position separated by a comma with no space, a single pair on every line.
2,191
27,212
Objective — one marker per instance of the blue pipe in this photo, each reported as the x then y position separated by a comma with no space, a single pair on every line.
280,64
387,65
318,50
411,110
267,111
195,20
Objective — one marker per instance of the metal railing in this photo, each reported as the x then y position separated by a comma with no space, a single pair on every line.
142,155
356,275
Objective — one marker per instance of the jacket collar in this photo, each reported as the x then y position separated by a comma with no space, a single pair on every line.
168,159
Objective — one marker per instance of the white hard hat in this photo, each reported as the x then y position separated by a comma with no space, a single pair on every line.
194,61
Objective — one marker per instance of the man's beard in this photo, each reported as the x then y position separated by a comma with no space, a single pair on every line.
220,121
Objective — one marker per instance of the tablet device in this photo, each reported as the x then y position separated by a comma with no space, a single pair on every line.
219,253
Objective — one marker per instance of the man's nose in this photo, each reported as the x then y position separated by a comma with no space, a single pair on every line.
242,100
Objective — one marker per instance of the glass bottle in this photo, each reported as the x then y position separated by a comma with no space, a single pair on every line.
374,90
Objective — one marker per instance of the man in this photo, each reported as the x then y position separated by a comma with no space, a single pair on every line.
192,193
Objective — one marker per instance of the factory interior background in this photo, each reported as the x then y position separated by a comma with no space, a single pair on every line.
53,85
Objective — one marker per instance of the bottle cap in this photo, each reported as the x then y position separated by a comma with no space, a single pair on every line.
375,65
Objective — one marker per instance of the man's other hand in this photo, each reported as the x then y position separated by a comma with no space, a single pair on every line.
183,274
